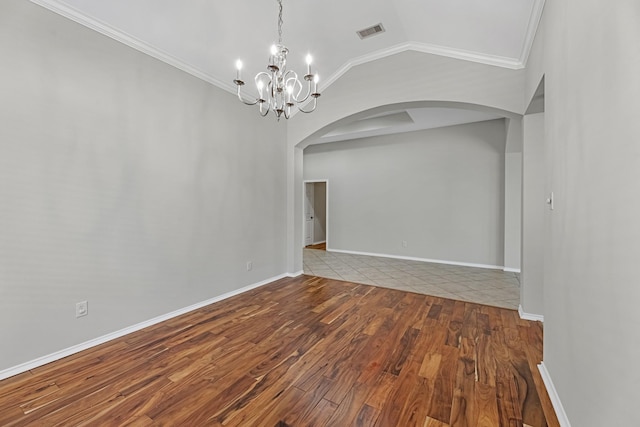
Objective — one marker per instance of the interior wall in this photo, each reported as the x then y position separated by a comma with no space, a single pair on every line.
427,80
320,212
124,182
424,77
535,66
512,211
513,195
440,190
592,102
534,209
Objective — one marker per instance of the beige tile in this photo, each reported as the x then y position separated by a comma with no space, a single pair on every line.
357,278
401,275
491,287
480,285
454,288
377,275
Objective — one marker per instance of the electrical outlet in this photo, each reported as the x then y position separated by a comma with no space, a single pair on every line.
404,244
249,265
82,308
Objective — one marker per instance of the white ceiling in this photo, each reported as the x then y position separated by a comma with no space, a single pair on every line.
401,121
206,37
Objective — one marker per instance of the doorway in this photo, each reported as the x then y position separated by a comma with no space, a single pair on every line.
315,210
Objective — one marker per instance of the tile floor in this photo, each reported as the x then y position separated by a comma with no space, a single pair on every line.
479,285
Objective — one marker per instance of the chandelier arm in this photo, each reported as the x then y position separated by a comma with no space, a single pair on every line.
309,92
245,102
315,103
290,74
306,96
267,110
295,84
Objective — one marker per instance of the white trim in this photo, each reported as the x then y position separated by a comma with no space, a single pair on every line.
511,270
317,243
497,61
553,395
407,258
296,274
532,29
9,372
131,41
529,316
116,34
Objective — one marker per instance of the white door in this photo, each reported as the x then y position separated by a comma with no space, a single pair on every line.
308,214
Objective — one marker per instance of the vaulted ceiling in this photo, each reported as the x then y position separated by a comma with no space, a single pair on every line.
206,37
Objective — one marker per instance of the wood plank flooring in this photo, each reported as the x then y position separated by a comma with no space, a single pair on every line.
319,246
306,351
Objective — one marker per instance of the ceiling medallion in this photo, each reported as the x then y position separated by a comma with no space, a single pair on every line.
280,89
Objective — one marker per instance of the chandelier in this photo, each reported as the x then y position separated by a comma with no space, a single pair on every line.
280,89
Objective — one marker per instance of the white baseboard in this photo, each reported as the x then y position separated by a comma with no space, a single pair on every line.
317,243
296,274
553,395
529,316
406,258
511,270
9,372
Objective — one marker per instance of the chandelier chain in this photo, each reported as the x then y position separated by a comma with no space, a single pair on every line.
280,23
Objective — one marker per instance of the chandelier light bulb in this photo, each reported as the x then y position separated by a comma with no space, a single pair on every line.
238,68
274,49
260,85
309,61
289,93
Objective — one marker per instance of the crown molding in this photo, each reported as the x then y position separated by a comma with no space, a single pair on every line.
497,61
75,15
532,30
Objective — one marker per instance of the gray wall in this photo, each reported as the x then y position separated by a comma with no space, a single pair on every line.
513,195
441,190
428,80
425,77
124,182
591,292
534,209
320,212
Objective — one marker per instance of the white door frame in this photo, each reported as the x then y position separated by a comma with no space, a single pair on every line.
304,194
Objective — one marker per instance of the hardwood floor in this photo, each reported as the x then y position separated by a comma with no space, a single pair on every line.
319,246
306,351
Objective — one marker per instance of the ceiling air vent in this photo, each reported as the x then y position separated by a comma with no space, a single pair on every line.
371,31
